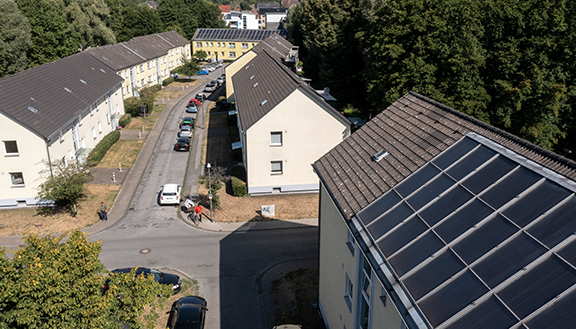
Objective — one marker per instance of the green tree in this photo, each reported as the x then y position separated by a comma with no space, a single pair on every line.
245,5
50,35
54,282
64,184
14,39
87,19
188,68
185,16
114,20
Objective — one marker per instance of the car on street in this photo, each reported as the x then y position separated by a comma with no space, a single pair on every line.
183,144
192,108
210,87
188,313
185,131
160,277
170,194
220,81
215,83
201,97
187,121
194,101
203,72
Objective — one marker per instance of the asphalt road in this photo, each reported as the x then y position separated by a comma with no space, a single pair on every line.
226,265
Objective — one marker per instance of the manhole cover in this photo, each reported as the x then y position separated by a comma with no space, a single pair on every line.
145,251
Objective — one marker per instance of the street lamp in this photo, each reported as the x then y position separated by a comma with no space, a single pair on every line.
210,191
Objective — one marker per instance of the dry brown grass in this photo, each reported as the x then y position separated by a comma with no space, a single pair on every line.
158,108
59,221
148,122
123,151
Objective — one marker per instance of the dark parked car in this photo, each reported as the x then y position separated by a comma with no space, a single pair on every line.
188,313
161,277
183,144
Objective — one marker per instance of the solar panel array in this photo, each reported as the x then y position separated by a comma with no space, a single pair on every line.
235,35
478,240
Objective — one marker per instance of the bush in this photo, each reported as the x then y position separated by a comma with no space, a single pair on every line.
147,91
239,187
125,120
132,104
168,81
351,111
101,148
239,172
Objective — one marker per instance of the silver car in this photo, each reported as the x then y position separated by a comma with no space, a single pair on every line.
185,131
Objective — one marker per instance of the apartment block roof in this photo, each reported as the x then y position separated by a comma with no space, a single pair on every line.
138,50
225,8
235,35
469,226
47,97
277,46
263,83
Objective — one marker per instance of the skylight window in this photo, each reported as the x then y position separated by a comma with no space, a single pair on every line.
32,109
247,67
251,77
102,71
263,102
378,156
68,90
255,85
84,82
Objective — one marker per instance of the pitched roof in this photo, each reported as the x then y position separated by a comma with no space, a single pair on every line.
277,46
225,8
289,3
247,35
263,83
141,49
474,224
45,98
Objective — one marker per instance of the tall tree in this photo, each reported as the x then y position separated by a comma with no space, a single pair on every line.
50,35
14,39
188,15
86,18
138,21
51,282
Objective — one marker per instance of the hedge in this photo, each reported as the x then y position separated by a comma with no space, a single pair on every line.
101,148
239,187
132,104
125,120
168,81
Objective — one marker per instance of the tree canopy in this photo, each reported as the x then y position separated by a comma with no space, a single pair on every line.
53,282
14,39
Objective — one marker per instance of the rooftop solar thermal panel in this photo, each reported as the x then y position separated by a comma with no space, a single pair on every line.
510,187
385,223
414,254
489,174
472,161
430,191
463,220
446,205
378,207
405,233
569,253
433,274
416,180
448,157
489,314
562,315
557,225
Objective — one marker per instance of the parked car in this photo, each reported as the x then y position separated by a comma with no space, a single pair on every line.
160,277
203,72
185,131
192,108
210,87
183,144
194,101
220,81
187,121
170,194
188,313
201,97
215,83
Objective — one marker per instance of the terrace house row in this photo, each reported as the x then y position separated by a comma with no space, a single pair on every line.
57,111
430,218
145,60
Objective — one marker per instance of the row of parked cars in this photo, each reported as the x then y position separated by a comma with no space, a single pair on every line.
215,84
186,313
209,68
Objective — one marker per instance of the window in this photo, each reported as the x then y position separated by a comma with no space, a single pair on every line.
218,44
199,44
206,44
142,82
222,53
108,118
61,136
178,61
149,65
383,295
208,53
123,91
141,67
16,179
276,167
150,78
245,46
231,45
350,242
99,127
211,44
348,292
92,110
276,138
10,148
122,74
232,54
171,52
137,69
94,132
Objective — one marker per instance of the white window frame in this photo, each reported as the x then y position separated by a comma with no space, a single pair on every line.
10,154
11,175
275,133
276,172
61,136
348,292
350,242
231,45
199,44
99,127
222,53
94,132
244,46
108,118
232,54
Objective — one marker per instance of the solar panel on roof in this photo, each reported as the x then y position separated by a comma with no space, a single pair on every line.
472,161
463,220
403,235
416,180
382,225
556,226
490,314
430,191
569,253
446,205
417,252
379,207
510,187
562,315
447,158
486,176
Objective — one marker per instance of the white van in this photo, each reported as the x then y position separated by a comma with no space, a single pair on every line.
170,194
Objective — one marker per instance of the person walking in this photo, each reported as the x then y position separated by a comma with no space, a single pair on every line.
103,211
198,212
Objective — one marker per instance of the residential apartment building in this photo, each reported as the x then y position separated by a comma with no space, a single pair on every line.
55,111
280,48
229,44
242,20
284,126
145,60
430,218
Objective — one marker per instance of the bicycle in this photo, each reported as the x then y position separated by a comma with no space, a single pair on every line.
194,218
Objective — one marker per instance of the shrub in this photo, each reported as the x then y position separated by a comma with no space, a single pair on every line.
168,81
132,104
102,147
125,120
351,111
239,172
221,99
239,187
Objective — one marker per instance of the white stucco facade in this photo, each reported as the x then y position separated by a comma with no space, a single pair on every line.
306,130
70,143
360,302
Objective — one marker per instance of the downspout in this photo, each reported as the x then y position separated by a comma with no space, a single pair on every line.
46,140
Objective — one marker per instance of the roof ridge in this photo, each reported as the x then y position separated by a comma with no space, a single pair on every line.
499,131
